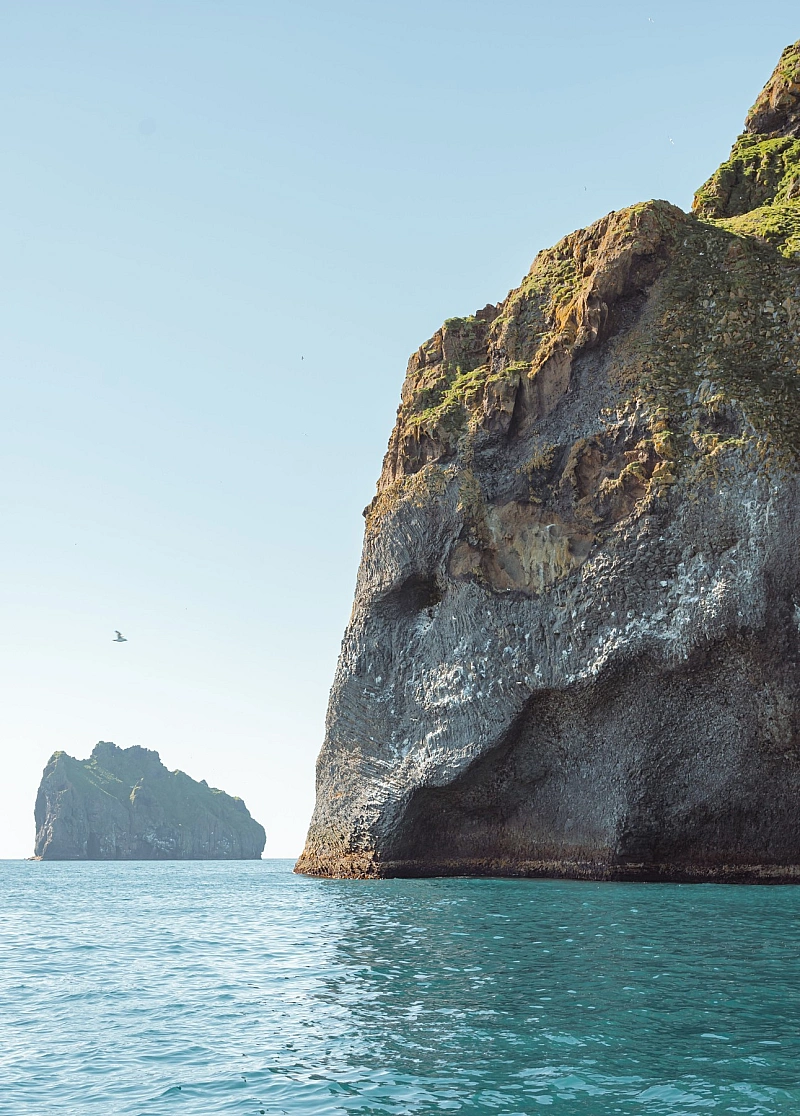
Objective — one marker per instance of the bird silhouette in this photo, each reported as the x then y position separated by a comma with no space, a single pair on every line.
120,638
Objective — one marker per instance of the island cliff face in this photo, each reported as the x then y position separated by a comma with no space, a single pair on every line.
575,643
123,804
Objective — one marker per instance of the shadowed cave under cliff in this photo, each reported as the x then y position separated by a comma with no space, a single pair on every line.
645,768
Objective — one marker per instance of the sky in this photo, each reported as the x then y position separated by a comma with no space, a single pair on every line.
224,226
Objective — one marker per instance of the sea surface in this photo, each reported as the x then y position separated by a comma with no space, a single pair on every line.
216,988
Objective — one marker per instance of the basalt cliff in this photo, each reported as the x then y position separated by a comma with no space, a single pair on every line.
123,804
575,643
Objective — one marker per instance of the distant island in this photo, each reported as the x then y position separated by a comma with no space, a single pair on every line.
123,804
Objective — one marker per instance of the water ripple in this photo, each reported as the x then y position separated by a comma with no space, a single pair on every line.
204,988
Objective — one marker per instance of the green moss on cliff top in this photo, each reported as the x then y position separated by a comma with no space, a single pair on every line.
716,294
764,165
777,225
450,380
758,172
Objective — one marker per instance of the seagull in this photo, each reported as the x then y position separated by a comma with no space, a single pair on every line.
120,638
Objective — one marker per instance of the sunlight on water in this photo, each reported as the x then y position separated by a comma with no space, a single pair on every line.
206,988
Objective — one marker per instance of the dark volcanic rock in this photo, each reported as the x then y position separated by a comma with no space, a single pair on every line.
575,642
123,804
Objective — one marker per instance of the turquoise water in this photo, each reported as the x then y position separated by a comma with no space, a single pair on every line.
207,988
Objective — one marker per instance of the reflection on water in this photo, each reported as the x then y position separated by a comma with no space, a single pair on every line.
239,988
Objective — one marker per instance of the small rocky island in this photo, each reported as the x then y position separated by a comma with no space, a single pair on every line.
123,804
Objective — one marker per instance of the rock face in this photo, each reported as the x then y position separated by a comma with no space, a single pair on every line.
575,643
123,804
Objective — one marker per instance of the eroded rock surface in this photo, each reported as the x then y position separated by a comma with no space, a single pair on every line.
123,804
575,642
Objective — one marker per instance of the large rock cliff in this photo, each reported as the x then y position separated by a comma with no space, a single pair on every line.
123,804
575,642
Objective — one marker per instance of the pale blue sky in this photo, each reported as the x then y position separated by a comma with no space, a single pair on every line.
224,227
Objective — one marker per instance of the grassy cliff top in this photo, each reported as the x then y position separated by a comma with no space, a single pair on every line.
763,167
706,303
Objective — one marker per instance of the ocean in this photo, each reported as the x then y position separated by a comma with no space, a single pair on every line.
214,988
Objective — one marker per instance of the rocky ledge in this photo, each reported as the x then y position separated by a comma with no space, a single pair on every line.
123,804
575,643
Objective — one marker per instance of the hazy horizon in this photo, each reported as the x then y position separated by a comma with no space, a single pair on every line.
226,227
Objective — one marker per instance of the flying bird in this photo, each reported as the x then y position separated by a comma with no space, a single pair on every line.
120,638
